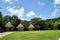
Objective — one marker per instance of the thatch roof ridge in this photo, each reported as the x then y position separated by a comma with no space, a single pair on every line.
20,25
8,25
31,26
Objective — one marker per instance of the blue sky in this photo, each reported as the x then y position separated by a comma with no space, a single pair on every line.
27,9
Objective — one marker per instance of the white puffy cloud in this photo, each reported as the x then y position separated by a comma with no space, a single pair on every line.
41,3
30,14
10,2
55,12
56,8
22,18
13,11
7,0
57,2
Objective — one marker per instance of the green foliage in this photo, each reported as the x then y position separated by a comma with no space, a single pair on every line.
43,25
37,27
39,24
15,21
25,24
35,22
1,28
0,17
56,24
50,23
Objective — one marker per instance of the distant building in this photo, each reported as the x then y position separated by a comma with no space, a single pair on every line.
20,27
31,27
9,27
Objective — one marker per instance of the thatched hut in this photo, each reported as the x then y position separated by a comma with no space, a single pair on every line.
31,27
20,27
9,27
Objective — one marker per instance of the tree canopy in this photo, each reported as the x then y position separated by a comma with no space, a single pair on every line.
38,23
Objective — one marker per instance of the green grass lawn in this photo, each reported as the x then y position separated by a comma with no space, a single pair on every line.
33,35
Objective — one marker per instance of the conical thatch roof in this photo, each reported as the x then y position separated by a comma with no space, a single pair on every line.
20,25
31,26
8,25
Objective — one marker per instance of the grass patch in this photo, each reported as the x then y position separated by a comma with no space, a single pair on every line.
33,35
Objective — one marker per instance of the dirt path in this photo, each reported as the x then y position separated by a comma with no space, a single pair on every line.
4,34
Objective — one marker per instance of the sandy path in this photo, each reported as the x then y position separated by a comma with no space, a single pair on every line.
4,34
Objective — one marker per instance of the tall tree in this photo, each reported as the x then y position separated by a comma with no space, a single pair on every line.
0,21
56,24
25,24
35,22
43,25
15,21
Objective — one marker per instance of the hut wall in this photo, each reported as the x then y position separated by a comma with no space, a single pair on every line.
30,29
20,29
9,29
